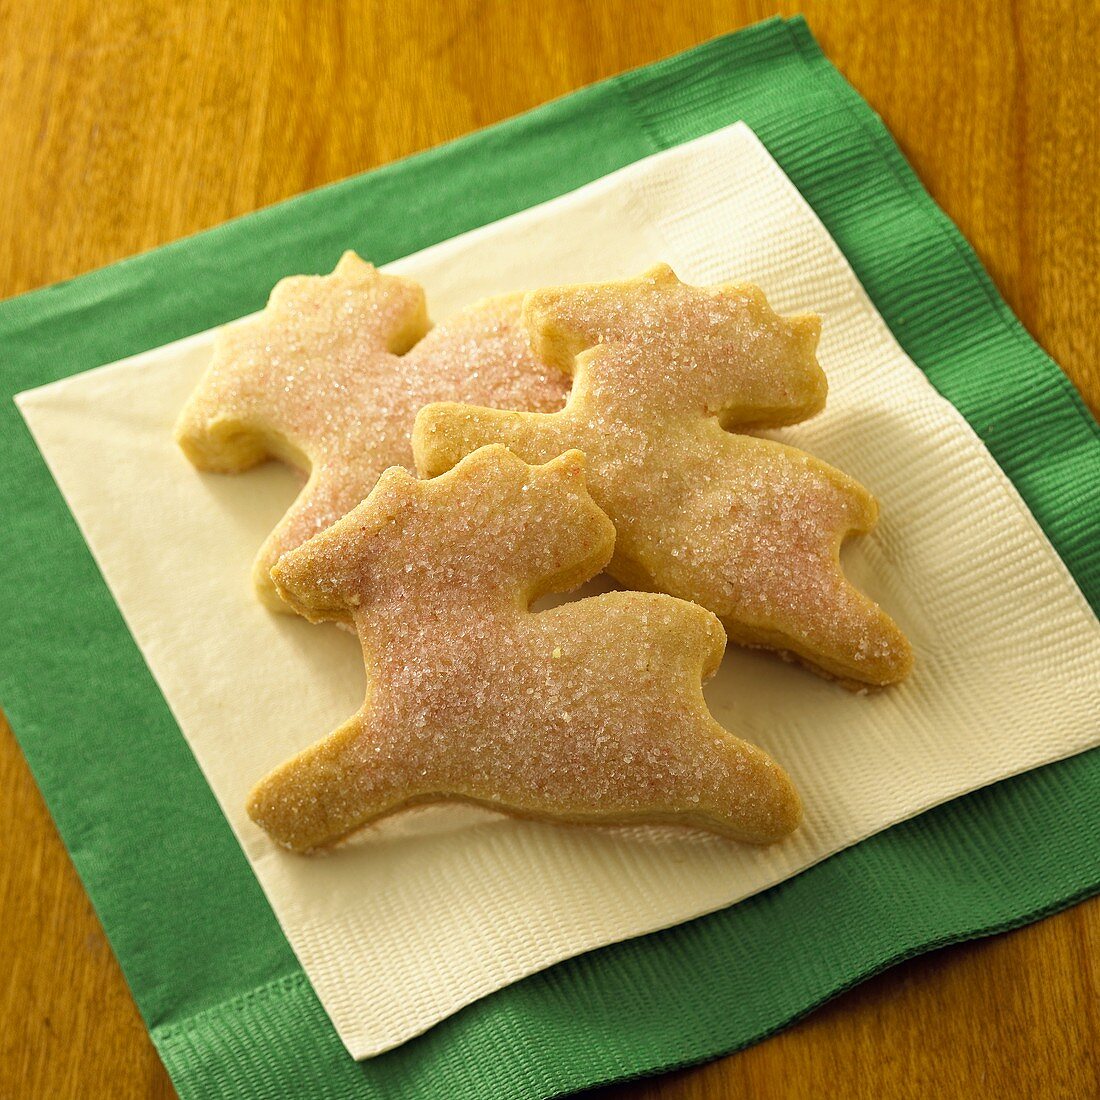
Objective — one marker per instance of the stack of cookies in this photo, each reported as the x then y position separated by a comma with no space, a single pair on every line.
559,434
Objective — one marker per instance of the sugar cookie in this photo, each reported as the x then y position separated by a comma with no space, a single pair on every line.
590,712
329,378
747,527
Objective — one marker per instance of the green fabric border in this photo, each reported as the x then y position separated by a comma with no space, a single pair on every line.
676,997
229,1008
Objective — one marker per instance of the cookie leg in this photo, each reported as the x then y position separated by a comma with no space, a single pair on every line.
328,791
322,501
819,615
862,642
746,795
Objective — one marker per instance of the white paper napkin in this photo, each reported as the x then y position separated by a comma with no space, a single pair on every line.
434,909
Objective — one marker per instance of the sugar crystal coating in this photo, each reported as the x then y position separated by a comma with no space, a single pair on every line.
329,378
747,527
590,712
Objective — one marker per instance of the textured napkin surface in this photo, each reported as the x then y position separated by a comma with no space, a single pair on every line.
435,909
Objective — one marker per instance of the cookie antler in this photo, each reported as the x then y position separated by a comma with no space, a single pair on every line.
747,527
590,712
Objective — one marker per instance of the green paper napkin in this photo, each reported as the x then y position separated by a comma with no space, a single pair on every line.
223,996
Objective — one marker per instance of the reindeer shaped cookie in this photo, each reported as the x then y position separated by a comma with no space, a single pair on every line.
329,378
747,527
590,712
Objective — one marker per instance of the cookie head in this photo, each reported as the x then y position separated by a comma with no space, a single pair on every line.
281,383
675,344
409,535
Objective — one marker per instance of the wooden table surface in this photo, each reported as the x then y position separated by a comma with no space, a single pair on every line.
126,125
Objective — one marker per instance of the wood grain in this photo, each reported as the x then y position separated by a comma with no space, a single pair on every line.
126,125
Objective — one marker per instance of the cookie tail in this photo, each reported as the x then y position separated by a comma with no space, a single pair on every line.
445,433
216,442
